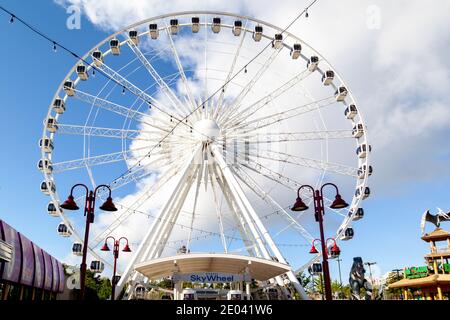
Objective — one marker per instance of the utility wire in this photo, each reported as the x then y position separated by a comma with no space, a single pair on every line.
56,44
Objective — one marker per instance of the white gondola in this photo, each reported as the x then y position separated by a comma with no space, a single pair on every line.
182,250
47,187
277,42
257,35
51,125
363,192
363,150
316,268
312,63
153,31
341,94
189,294
45,165
348,234
359,214
64,231
328,77
82,72
332,254
139,292
174,26
114,45
351,112
97,56
46,145
77,249
97,266
69,88
216,25
358,131
195,24
296,51
237,29
59,106
52,210
134,37
362,171
235,295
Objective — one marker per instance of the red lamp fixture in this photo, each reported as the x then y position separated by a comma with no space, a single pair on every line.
70,204
335,249
299,205
126,248
105,247
313,250
108,205
338,203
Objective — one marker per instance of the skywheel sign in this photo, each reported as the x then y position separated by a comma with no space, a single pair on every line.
210,277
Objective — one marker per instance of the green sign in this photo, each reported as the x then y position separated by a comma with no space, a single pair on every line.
416,272
447,267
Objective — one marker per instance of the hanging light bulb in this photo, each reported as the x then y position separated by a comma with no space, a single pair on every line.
54,47
306,13
123,90
245,71
12,19
93,72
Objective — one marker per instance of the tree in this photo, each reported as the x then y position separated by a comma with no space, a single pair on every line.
303,279
97,288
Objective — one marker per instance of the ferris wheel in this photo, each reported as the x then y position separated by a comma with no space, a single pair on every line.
204,124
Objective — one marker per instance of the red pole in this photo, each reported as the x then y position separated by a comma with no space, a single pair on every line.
89,212
319,217
113,282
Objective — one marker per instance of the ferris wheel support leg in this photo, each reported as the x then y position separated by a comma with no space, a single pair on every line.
144,247
255,221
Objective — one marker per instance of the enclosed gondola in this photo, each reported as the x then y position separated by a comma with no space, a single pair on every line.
69,88
46,144
64,231
257,34
97,266
134,37
359,214
351,111
114,45
52,210
316,268
174,26
47,187
341,94
195,24
363,150
277,42
77,249
216,25
51,125
358,131
328,77
237,28
313,63
362,192
59,106
153,31
82,72
45,165
296,51
347,234
362,171
97,56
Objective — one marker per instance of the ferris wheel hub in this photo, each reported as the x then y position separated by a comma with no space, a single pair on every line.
206,130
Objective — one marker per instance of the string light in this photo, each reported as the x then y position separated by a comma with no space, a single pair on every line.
123,90
12,19
54,47
306,14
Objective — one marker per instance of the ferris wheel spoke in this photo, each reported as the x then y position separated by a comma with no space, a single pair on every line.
219,108
118,109
258,105
306,162
236,104
106,132
181,71
59,167
131,209
176,103
259,191
277,137
134,89
278,117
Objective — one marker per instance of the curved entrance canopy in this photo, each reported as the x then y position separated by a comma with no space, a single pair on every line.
259,269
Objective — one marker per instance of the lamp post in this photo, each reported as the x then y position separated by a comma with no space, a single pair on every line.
116,256
89,207
369,264
319,212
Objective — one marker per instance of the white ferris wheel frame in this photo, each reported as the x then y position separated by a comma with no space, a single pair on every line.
361,183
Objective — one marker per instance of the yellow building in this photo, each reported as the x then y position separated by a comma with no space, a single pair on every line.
432,280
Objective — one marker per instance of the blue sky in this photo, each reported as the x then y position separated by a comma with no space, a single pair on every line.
390,232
